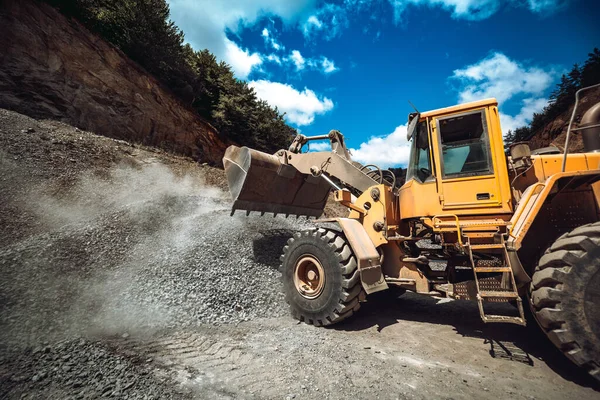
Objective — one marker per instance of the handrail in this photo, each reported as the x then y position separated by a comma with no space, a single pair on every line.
524,202
564,163
457,224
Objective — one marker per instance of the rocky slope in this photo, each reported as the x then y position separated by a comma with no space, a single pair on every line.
555,132
52,67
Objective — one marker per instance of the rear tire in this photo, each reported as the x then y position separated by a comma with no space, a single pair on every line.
321,279
565,296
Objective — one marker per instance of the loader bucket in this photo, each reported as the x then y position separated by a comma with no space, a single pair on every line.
260,182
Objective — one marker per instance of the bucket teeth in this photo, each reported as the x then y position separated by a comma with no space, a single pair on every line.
275,214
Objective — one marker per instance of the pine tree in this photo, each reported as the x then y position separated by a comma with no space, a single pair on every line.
590,73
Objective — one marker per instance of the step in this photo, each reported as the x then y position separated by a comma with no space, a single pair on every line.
471,224
490,318
498,294
492,269
480,235
487,246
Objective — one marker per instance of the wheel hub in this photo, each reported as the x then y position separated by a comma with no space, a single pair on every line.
309,277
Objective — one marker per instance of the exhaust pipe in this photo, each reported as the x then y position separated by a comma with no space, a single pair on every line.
590,129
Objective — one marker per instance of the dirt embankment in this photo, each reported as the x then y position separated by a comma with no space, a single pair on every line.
52,67
555,133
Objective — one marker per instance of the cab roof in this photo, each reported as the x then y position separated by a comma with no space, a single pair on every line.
460,107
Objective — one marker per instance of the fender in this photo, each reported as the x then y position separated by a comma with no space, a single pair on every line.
536,195
369,259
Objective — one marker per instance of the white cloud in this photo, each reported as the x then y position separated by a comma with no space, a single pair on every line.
319,146
274,58
505,79
205,23
241,61
314,21
330,19
328,66
494,76
300,107
500,77
270,40
476,10
301,63
297,59
546,6
460,9
384,151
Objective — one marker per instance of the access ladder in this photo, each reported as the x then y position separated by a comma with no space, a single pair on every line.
507,293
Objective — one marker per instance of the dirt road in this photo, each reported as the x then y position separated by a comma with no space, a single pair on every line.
124,276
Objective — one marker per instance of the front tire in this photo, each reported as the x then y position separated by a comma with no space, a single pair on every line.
321,279
565,296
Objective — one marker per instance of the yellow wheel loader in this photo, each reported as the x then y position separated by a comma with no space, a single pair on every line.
502,227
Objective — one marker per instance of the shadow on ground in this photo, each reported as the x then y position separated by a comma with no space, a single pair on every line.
268,247
520,344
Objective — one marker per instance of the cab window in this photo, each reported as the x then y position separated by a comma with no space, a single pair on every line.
465,145
419,167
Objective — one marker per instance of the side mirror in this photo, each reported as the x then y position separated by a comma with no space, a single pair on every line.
413,120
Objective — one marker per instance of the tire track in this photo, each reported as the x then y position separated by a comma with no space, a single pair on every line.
221,366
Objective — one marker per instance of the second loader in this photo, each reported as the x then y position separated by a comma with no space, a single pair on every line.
522,228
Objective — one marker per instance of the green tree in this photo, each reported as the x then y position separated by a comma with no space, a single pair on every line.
590,73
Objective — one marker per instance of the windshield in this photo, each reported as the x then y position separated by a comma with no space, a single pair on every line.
465,145
419,167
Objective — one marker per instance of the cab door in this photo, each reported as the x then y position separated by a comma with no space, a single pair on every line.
465,161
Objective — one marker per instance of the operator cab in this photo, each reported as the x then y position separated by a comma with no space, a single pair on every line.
456,163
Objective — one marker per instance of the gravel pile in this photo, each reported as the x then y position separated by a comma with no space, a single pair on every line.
175,260
82,369
101,238
141,242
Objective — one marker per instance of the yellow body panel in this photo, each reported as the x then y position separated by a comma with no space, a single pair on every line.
534,199
547,165
418,199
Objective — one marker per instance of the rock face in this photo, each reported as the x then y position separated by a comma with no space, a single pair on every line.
53,67
555,132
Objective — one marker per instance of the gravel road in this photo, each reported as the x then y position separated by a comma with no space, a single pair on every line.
124,276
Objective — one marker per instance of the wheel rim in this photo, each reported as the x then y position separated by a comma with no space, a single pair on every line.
309,277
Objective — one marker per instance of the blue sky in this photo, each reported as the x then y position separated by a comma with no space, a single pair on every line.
353,65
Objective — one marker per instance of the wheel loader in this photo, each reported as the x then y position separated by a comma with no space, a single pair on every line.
516,226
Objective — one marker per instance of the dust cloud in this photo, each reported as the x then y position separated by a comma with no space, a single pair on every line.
107,258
